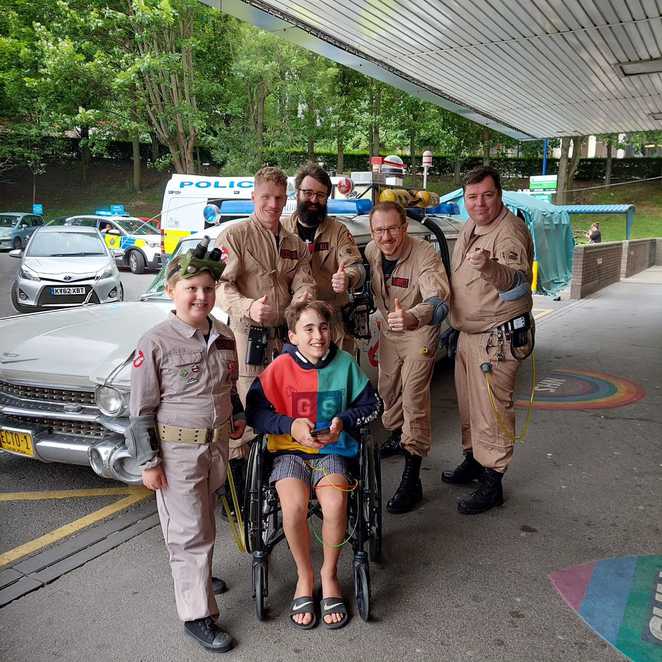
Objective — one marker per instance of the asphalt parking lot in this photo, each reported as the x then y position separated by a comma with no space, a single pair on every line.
584,491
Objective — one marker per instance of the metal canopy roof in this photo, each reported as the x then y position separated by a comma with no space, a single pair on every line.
529,68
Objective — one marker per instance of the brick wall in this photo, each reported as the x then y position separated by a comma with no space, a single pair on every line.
597,265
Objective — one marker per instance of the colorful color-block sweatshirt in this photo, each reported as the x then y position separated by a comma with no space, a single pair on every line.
292,387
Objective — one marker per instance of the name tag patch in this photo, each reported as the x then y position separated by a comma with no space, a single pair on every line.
224,343
322,246
288,254
400,282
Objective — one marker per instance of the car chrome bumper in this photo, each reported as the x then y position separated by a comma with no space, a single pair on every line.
86,437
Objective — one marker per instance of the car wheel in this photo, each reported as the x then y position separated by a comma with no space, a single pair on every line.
18,244
136,262
16,303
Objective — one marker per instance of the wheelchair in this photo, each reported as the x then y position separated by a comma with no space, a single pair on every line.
263,519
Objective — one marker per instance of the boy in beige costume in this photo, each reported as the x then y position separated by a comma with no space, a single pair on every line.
411,291
491,289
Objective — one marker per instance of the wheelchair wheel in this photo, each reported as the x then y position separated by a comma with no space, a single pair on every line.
375,526
260,585
362,585
371,499
253,499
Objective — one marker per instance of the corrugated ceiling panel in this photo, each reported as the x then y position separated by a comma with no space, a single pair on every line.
546,67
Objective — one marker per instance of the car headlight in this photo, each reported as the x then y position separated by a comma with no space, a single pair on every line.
26,272
111,401
107,272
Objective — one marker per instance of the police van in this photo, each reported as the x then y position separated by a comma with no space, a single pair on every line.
192,203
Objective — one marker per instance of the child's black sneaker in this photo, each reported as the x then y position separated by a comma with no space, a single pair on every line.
208,634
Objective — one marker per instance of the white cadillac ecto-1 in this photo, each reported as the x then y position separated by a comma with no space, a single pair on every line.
65,375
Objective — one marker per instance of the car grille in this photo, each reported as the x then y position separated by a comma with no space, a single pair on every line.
77,428
46,298
45,394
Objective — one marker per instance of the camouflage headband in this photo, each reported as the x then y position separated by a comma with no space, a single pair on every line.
195,261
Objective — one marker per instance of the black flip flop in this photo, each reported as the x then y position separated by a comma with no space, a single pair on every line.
303,605
334,606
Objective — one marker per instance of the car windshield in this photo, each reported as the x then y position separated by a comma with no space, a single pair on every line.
65,244
157,288
136,226
7,221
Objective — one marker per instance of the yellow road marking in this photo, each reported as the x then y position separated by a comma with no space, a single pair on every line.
68,494
136,495
539,313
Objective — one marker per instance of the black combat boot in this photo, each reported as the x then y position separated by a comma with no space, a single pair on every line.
392,445
488,495
469,470
410,490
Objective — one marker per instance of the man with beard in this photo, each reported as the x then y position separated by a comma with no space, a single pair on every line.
335,259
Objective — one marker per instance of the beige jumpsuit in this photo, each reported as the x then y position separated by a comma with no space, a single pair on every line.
406,358
333,246
187,383
476,311
256,265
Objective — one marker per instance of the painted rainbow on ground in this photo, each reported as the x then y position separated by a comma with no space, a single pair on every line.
583,389
621,599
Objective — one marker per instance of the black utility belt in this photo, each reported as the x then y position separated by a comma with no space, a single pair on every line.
519,323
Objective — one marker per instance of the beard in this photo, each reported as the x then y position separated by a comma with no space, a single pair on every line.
311,213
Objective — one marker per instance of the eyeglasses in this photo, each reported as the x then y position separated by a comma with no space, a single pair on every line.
309,194
391,230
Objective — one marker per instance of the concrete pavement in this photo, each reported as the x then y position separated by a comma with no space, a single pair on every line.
585,485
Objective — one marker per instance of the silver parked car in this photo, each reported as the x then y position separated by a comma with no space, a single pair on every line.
62,267
16,228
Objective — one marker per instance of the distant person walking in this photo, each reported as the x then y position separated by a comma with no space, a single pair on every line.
594,235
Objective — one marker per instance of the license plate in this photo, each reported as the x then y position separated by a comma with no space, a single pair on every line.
16,441
67,290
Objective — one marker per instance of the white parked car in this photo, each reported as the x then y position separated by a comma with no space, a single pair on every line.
65,375
64,266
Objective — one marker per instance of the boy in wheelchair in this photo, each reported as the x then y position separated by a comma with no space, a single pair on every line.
310,401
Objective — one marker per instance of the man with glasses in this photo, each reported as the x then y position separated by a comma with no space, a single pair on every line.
266,269
411,291
335,258
491,283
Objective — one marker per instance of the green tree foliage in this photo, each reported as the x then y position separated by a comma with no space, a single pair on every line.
200,80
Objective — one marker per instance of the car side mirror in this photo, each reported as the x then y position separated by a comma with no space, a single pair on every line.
17,252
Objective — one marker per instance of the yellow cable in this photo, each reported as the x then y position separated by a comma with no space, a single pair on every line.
236,520
499,420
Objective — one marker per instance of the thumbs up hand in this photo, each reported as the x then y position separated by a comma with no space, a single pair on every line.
340,280
261,311
399,319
